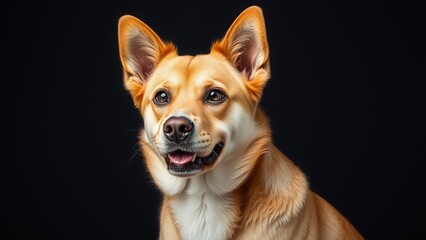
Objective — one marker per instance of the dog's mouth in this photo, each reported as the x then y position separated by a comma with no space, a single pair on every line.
184,164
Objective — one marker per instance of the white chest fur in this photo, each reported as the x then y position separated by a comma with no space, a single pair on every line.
201,214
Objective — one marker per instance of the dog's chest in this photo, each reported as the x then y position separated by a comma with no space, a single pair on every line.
203,216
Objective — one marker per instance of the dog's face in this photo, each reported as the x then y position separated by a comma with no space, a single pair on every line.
188,110
198,111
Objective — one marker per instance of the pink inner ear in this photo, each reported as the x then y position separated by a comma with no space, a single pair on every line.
247,49
145,67
141,58
246,60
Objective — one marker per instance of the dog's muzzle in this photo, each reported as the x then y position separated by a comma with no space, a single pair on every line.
183,162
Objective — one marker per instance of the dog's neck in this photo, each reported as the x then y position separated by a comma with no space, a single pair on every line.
203,213
261,190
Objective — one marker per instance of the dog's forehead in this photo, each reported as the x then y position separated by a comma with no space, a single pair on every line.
198,70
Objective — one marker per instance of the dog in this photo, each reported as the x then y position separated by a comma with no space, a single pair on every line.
207,143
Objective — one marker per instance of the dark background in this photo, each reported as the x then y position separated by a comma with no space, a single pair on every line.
344,102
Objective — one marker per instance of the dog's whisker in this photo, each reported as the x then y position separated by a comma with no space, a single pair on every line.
134,154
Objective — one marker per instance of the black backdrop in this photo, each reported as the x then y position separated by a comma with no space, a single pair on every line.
344,102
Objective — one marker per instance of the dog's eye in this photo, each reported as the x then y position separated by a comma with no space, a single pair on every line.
161,97
215,96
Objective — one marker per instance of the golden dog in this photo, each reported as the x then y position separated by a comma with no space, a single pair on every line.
207,144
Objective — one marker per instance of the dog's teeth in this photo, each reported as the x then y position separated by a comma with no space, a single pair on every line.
193,159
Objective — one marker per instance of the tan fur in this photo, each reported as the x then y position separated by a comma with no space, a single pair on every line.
252,191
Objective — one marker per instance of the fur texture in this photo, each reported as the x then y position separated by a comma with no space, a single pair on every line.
208,146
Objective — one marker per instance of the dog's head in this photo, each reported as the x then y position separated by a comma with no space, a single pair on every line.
200,112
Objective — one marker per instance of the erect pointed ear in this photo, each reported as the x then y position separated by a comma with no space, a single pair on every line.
246,46
140,52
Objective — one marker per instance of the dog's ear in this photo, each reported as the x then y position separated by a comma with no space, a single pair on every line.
141,49
246,47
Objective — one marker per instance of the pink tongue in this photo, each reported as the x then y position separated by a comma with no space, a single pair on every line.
179,157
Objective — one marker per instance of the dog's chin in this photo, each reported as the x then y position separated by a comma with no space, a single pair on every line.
187,164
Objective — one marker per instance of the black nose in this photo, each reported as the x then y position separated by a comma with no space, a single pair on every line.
177,129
